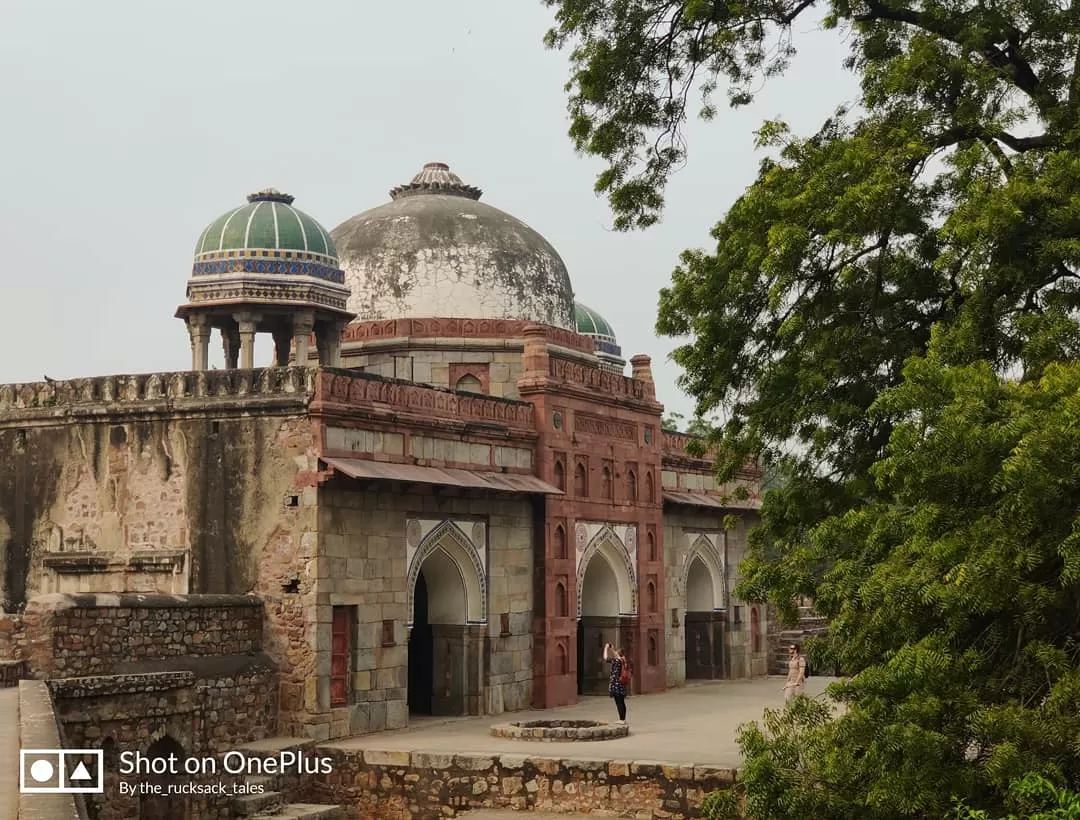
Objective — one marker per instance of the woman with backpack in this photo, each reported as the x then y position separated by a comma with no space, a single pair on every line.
620,678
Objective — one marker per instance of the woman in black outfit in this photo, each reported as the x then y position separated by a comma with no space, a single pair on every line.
617,689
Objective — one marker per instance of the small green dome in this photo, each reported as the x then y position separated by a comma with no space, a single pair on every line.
591,323
267,235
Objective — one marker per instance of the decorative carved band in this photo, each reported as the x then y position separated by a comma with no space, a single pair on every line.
462,328
608,428
337,388
156,387
595,378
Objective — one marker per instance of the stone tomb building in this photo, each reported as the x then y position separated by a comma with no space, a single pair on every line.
444,492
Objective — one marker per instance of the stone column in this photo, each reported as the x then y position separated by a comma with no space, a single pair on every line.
329,341
246,321
199,331
303,325
230,343
282,346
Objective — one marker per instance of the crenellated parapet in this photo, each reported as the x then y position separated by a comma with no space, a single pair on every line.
155,392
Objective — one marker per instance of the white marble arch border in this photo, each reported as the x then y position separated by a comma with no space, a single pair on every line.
709,548
607,546
447,537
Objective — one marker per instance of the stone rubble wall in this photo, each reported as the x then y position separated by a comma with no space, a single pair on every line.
400,785
81,635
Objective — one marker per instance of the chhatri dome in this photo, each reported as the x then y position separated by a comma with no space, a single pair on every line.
265,267
592,324
435,250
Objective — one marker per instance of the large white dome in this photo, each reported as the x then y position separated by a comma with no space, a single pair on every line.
435,250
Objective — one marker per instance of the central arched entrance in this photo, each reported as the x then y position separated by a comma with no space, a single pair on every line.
447,605
606,607
706,625
165,806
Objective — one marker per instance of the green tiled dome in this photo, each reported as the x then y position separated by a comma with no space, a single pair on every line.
267,235
591,323
267,222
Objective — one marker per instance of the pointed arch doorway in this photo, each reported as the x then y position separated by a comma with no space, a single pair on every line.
448,609
706,620
606,606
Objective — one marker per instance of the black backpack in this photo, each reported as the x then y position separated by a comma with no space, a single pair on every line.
806,667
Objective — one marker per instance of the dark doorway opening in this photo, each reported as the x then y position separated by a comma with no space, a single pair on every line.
165,806
421,653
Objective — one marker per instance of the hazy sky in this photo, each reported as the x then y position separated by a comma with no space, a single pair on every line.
128,125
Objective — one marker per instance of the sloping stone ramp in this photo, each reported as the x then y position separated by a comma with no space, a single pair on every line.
9,753
273,803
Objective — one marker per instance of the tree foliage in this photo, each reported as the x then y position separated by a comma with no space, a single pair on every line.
888,318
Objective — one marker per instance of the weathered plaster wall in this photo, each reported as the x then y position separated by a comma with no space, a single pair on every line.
436,255
364,563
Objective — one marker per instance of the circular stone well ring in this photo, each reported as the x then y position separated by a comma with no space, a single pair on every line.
560,730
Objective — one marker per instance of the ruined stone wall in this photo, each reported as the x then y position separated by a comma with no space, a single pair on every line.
169,483
699,533
368,541
79,635
379,785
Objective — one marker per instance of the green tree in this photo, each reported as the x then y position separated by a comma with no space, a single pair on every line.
944,208
676,423
958,598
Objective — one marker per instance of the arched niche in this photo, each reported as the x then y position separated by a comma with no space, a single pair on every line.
703,580
454,575
469,384
606,581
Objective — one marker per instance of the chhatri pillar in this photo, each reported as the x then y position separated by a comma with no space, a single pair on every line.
266,267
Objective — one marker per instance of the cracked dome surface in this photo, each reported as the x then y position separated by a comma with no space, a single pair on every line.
435,250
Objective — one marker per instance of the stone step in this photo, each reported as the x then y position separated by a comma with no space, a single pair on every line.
247,805
274,745
302,811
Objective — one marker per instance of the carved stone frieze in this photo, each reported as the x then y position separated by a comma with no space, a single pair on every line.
334,388
593,425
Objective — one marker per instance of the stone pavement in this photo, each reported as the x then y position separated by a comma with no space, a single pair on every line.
692,724
9,753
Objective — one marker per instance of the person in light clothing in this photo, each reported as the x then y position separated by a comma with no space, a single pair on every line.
796,674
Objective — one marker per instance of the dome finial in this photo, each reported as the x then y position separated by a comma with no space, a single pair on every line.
436,178
270,195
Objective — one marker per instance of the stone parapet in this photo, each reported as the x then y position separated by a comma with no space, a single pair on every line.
346,392
462,330
401,785
177,392
98,686
86,635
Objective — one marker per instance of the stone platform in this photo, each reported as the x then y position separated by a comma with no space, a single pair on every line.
696,723
681,747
